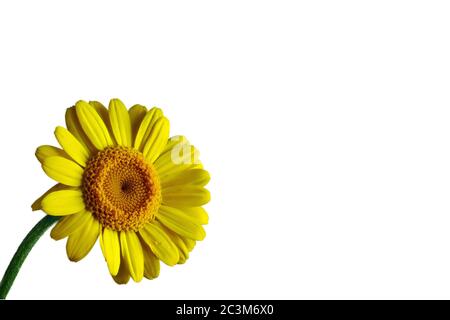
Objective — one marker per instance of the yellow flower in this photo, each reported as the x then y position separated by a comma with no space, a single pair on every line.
123,180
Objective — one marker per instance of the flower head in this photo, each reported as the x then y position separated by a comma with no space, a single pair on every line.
123,180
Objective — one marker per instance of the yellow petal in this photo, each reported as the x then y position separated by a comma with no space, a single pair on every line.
123,276
120,122
180,158
37,205
190,244
137,113
69,224
82,240
198,177
157,139
132,253
100,240
46,151
160,243
196,214
111,249
101,110
146,126
179,222
72,146
104,114
185,196
179,148
151,263
74,126
63,170
174,141
179,243
62,203
93,125
182,249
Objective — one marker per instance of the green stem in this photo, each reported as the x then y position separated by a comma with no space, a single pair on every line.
22,252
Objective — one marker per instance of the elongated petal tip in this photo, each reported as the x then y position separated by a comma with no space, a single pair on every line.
36,205
93,125
81,103
63,202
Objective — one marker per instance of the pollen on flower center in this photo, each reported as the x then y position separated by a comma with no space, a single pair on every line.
121,189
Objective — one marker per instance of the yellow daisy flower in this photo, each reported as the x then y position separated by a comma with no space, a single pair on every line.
122,180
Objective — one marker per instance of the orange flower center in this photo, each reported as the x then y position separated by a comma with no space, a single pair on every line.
121,189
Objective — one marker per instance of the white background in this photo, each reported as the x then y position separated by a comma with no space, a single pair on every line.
324,124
